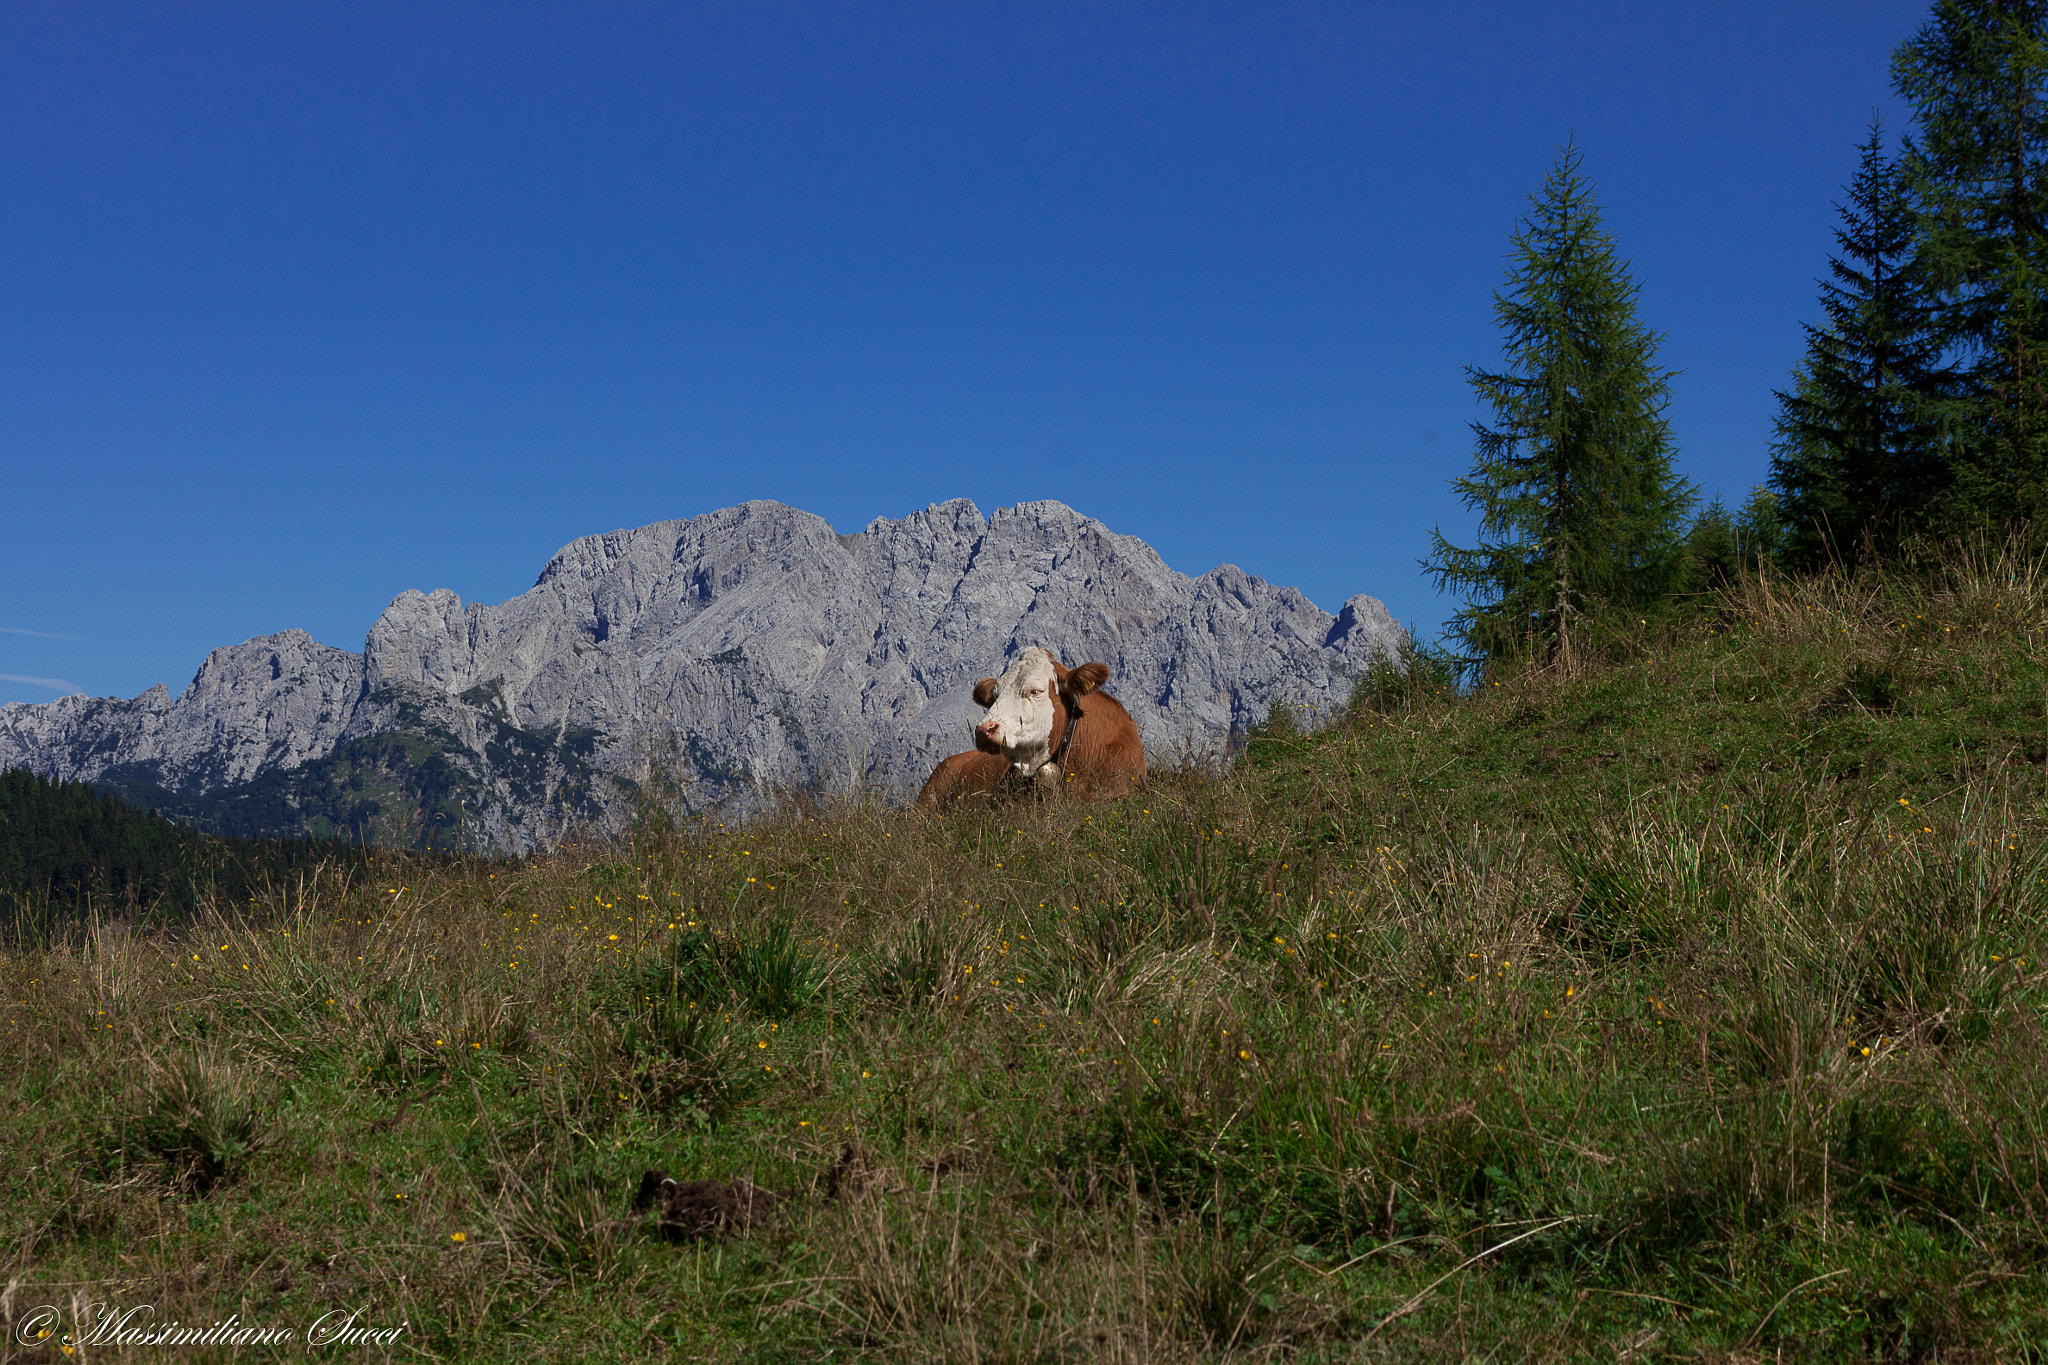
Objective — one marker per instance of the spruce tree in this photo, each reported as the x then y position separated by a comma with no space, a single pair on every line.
1977,76
1858,455
1721,545
1760,528
1572,479
1713,548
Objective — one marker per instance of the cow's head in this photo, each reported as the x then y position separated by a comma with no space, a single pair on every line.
1028,707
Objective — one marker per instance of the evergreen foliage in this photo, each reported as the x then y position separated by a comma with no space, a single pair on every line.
1573,482
1759,527
1722,545
1858,457
1712,554
65,848
1977,76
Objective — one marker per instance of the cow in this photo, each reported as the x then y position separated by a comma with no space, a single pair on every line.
1042,735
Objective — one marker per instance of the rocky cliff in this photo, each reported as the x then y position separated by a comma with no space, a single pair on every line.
725,653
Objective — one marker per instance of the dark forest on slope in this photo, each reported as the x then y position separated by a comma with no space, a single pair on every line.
66,849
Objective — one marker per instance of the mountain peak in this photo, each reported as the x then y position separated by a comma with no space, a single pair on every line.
745,646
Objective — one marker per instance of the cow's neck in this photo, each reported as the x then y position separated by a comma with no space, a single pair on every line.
1073,710
1064,729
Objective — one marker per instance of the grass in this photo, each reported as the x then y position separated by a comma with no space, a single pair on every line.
1687,1009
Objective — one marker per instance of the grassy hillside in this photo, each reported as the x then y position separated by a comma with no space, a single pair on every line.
1689,1009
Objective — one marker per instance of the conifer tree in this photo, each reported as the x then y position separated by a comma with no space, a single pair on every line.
1977,76
1572,479
1721,544
1759,528
1713,548
1858,456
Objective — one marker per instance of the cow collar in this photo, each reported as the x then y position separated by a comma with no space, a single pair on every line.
1059,755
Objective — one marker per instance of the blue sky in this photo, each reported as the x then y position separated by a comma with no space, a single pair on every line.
304,305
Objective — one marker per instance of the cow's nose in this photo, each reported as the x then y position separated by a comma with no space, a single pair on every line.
988,729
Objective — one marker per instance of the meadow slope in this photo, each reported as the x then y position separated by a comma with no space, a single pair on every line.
1689,1009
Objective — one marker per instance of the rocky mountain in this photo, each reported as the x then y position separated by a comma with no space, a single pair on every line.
720,656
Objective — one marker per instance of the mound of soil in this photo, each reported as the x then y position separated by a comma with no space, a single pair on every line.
700,1208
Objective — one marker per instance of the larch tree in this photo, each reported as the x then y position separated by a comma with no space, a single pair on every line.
1572,479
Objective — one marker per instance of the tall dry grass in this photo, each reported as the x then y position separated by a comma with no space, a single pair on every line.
1426,1036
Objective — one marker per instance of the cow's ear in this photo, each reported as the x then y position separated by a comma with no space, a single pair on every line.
1085,679
985,693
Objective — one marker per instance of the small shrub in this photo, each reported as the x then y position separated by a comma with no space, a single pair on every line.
1279,734
1418,675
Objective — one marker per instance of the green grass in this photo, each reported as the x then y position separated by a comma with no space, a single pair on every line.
1687,1009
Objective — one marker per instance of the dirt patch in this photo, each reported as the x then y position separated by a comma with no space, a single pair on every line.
702,1208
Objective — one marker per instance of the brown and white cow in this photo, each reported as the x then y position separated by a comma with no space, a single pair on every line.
1049,726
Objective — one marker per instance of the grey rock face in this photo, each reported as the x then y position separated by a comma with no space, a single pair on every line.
274,701
746,646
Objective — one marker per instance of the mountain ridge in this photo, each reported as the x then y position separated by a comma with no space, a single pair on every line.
747,646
